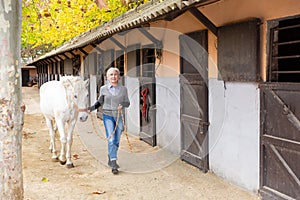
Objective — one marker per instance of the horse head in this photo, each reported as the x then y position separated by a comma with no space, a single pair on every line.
78,95
81,98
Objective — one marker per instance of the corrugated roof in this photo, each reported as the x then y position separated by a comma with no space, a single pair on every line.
131,19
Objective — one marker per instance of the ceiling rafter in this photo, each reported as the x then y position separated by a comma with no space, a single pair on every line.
204,20
97,48
117,43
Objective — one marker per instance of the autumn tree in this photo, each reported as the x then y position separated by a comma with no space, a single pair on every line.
11,179
49,23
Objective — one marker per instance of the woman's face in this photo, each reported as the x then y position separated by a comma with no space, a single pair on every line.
113,77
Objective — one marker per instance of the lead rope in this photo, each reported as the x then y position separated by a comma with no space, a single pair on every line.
113,133
93,124
126,133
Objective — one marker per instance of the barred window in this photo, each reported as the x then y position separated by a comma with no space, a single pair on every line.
284,50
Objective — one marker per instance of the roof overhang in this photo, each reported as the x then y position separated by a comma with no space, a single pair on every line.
28,67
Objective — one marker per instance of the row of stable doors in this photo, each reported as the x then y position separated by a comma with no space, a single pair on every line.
280,124
194,102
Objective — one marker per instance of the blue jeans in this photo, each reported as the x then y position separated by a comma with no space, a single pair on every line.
113,142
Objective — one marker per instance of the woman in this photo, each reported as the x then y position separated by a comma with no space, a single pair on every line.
113,98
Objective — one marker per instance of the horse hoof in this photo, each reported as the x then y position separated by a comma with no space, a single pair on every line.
62,162
54,159
69,166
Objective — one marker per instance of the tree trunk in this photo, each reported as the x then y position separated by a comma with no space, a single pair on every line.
11,117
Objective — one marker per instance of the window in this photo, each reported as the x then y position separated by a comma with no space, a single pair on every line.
284,50
148,65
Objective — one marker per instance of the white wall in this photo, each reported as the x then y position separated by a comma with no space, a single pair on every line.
168,113
234,132
133,112
93,89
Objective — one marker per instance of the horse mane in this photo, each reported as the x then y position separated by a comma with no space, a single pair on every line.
63,78
72,83
69,82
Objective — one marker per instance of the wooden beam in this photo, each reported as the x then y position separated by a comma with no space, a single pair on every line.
47,61
43,62
204,20
40,63
149,36
73,54
65,54
62,56
83,51
57,58
97,48
52,59
117,43
171,16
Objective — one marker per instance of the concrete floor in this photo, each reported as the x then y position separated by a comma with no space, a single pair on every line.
151,166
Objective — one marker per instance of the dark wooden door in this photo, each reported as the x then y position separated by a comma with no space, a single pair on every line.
148,97
194,99
76,65
280,141
25,77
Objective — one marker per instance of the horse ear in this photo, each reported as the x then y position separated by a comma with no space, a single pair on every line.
86,82
67,83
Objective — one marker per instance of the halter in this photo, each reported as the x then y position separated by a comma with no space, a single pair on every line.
78,109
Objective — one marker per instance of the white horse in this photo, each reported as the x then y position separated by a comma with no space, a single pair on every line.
63,102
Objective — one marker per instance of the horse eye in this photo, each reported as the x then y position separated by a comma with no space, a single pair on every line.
75,96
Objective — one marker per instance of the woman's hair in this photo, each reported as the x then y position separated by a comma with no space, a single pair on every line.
111,70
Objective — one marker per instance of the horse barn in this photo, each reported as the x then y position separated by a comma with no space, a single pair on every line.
215,82
28,75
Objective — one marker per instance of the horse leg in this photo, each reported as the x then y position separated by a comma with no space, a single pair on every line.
63,141
52,146
71,126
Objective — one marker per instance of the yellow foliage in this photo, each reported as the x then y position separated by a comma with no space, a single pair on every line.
47,24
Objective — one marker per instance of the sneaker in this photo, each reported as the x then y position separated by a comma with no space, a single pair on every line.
110,163
114,167
113,164
115,171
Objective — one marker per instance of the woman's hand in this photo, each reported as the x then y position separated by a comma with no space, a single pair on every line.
86,110
120,107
